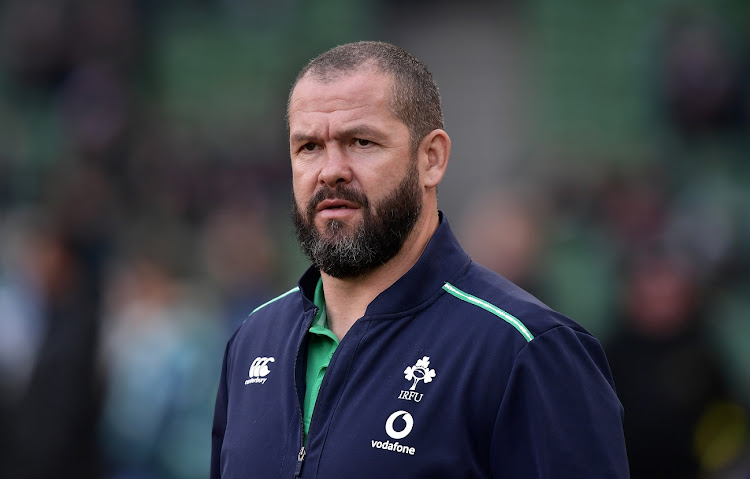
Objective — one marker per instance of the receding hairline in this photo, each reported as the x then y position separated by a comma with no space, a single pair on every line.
328,76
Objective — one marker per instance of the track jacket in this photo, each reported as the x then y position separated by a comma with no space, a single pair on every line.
453,372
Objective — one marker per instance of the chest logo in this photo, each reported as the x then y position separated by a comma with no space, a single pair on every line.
259,370
419,372
409,424
404,422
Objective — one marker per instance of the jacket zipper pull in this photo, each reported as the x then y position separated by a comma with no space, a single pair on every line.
300,461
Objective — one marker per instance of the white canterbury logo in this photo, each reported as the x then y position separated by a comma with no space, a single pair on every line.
258,370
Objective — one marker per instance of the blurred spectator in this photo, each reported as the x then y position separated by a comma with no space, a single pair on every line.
666,373
21,321
240,259
94,111
52,423
701,76
162,346
633,208
502,230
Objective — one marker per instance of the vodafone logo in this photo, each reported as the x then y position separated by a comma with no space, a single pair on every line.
407,428
404,422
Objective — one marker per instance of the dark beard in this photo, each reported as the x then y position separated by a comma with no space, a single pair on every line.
348,254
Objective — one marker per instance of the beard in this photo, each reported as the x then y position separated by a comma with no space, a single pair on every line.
347,252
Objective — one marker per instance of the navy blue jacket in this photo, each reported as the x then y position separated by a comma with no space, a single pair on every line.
453,372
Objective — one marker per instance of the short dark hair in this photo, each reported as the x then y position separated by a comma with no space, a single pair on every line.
415,99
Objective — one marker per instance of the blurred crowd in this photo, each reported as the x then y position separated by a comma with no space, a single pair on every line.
144,198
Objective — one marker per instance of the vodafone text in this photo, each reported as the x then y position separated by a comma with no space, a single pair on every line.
393,446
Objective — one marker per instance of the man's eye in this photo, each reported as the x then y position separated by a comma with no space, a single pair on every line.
361,142
308,146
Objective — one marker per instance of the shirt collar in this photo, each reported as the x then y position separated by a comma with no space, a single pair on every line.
321,320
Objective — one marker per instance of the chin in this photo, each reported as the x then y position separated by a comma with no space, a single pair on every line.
337,226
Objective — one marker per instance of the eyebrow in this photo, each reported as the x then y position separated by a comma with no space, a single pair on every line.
353,132
361,131
302,138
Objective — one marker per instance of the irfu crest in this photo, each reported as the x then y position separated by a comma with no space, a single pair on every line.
419,372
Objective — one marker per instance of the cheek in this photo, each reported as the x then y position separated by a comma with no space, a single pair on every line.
300,199
378,183
303,183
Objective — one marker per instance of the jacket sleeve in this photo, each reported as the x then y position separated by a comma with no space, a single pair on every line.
220,420
560,416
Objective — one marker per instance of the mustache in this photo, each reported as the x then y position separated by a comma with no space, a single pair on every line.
339,193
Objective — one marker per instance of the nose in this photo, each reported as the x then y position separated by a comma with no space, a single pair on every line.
336,168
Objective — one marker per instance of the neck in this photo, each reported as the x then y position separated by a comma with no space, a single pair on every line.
347,299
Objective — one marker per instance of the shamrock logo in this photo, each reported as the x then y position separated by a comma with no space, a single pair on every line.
419,372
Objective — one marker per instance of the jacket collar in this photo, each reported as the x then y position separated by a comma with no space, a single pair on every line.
441,261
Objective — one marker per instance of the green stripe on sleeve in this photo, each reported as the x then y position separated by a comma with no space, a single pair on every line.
293,290
507,317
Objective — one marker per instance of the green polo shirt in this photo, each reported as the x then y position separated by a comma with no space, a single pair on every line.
320,348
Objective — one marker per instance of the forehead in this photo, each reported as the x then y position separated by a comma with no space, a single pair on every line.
361,93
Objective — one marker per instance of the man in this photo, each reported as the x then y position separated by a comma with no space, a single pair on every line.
397,355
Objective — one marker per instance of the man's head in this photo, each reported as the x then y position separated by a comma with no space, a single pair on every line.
365,160
414,99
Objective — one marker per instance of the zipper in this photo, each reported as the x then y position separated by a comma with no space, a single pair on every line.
300,461
302,452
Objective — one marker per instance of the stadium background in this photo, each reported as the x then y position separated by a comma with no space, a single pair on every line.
600,160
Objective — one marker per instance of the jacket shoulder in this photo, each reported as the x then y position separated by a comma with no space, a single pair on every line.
278,299
496,298
286,305
273,322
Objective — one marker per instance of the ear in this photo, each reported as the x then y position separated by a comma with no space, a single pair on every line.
434,151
